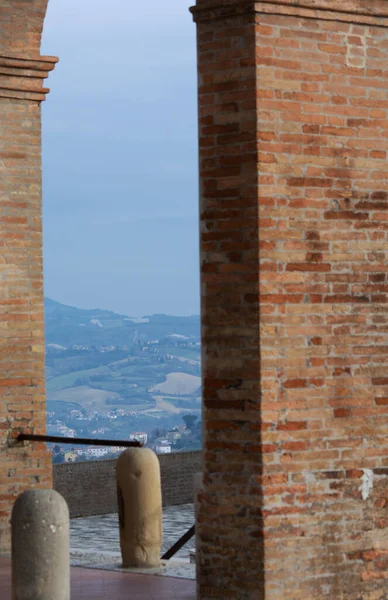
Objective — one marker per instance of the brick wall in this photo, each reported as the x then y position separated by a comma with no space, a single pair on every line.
293,114
90,487
21,28
293,137
22,376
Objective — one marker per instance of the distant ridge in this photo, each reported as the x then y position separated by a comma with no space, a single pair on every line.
68,326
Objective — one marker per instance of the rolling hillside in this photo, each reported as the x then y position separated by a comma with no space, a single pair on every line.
98,360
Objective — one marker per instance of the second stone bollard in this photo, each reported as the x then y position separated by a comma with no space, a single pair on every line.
140,507
40,547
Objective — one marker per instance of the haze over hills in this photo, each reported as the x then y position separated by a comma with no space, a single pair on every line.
100,364
69,326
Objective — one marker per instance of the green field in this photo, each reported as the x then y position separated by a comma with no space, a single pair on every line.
65,381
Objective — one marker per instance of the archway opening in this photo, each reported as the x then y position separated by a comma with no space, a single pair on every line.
121,229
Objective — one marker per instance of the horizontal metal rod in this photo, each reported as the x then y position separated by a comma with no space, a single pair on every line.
31,437
178,545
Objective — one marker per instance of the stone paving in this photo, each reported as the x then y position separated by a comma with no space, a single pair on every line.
92,584
94,542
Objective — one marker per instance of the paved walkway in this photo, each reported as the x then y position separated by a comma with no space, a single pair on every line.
101,533
92,584
94,542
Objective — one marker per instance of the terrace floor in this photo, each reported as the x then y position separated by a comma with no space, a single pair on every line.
93,584
94,544
101,533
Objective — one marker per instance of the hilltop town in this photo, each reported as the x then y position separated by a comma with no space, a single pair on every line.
110,376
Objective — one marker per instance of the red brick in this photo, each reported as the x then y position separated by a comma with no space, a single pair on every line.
312,187
22,74
295,383
292,426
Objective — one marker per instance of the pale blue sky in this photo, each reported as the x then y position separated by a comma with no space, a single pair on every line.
120,156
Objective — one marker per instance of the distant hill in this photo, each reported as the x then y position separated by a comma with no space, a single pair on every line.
99,361
178,384
68,326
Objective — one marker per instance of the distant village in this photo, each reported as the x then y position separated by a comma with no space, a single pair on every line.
179,438
112,377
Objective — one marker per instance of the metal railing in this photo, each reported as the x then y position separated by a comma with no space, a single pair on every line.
178,545
56,439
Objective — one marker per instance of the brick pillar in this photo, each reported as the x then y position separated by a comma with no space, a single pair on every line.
293,118
22,377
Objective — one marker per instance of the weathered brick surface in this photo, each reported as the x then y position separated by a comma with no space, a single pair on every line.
22,385
89,487
293,117
21,27
293,130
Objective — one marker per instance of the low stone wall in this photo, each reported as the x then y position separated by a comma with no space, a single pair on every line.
90,487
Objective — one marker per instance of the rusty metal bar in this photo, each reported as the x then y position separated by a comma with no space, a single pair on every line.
31,437
178,545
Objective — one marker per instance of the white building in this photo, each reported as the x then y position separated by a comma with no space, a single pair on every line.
115,449
165,449
76,413
139,436
97,452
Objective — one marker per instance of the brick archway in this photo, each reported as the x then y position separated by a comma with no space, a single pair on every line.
22,375
293,109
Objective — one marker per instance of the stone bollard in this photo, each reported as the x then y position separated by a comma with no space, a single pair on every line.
140,507
40,547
